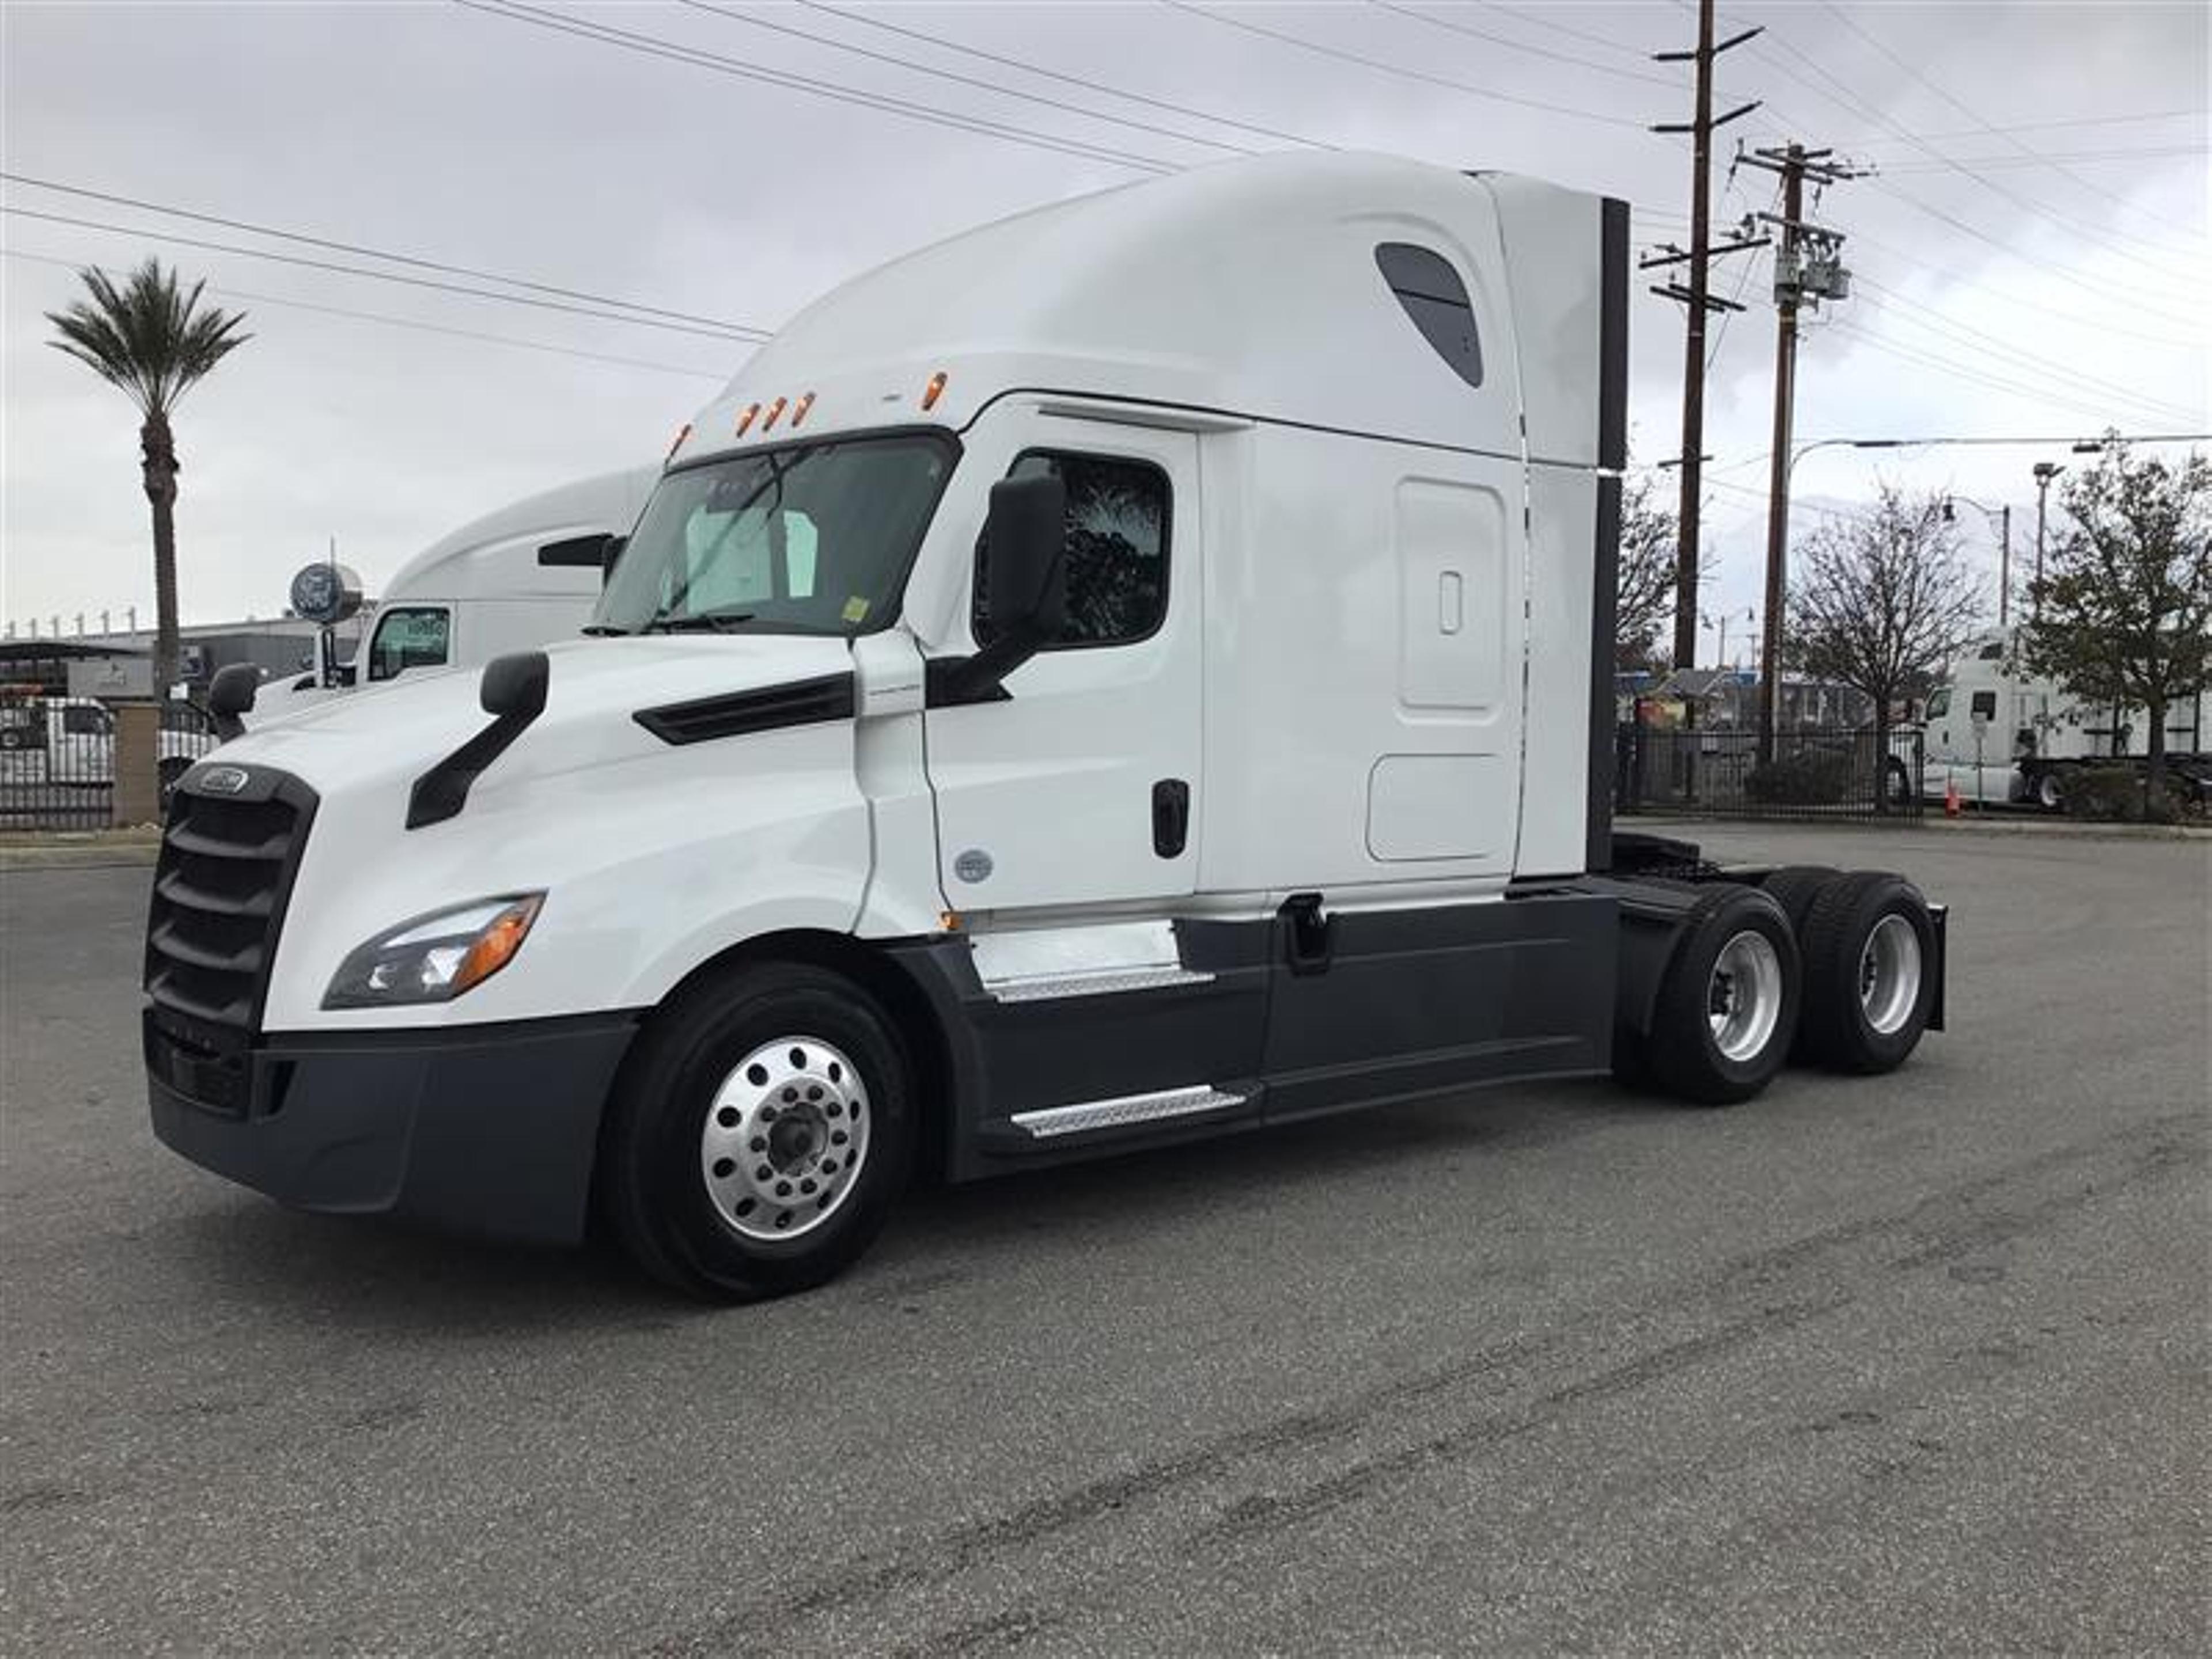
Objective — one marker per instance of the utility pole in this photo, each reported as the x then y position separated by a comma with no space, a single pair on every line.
1807,269
2045,473
1700,303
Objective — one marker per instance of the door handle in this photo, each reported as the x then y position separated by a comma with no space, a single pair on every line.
1170,817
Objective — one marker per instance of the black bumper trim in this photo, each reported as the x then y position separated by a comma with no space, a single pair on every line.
490,1130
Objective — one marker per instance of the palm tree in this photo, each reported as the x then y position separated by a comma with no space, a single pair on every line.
154,342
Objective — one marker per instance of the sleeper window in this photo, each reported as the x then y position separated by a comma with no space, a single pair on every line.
1116,549
1435,299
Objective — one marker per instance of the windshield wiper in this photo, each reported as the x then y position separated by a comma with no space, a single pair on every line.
705,622
602,630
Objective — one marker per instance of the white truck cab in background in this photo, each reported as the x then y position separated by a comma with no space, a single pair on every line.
1139,671
1999,734
525,575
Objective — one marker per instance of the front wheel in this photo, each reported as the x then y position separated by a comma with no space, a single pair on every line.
2046,793
171,771
760,1135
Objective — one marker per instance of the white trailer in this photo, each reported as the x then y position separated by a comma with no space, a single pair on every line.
1997,733
523,576
1136,671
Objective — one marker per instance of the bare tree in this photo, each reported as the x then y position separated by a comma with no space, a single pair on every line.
1882,601
1644,609
2124,615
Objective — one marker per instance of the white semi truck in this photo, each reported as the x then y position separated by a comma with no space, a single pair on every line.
1132,672
1997,733
522,576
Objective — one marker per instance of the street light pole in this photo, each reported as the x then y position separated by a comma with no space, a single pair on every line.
2045,473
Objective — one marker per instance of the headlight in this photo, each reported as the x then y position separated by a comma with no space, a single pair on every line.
435,958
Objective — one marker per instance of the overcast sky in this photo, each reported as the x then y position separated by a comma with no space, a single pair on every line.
2032,260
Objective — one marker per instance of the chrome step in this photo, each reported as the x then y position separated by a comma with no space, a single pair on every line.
1049,988
1051,1121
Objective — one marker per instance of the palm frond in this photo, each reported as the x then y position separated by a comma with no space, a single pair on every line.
145,335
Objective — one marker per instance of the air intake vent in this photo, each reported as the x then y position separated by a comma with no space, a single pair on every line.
804,702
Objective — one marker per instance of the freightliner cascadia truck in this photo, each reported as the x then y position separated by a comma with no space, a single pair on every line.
1135,671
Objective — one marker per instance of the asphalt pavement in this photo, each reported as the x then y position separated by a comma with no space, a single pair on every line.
1915,1364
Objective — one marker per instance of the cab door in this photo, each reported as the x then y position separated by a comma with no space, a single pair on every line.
1080,784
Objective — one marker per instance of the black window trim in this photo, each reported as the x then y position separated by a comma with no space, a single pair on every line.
1167,545
1463,299
443,607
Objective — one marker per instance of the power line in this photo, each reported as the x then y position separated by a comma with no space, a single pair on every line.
955,76
2134,119
1581,62
400,322
2161,153
2078,319
1936,323
408,259
1925,80
1587,36
1844,98
1027,68
649,45
750,337
1400,70
1954,367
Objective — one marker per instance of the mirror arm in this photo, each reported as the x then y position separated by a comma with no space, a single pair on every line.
951,680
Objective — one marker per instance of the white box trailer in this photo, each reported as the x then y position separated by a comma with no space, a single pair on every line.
523,575
1132,672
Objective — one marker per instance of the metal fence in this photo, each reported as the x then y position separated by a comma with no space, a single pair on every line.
57,757
1815,774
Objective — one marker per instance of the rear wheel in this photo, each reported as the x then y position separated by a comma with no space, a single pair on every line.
1869,973
760,1135
2046,793
1795,886
1727,1008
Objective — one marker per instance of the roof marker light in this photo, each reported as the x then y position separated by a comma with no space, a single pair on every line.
799,410
774,414
746,420
933,391
680,437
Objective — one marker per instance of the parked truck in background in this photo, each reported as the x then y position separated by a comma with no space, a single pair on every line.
1135,671
2001,735
522,576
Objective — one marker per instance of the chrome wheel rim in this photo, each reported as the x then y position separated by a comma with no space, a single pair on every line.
1743,996
786,1139
1889,975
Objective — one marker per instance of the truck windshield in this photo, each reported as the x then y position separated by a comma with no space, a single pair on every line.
807,539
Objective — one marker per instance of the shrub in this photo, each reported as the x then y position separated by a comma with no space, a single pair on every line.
1811,778
2114,794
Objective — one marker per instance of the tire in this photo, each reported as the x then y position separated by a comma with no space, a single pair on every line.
1736,945
11,737
785,1063
1870,968
169,771
1794,887
2044,791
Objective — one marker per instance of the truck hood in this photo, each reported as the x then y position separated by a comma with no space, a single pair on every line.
364,742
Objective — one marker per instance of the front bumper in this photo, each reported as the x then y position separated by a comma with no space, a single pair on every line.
489,1130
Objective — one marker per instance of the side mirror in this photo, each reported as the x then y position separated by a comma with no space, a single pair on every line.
230,695
514,686
1024,576
1024,585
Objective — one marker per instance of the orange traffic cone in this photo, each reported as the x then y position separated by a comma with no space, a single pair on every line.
1951,798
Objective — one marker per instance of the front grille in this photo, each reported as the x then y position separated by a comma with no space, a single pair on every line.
226,869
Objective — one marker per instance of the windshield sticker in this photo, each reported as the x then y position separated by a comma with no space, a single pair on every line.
856,608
